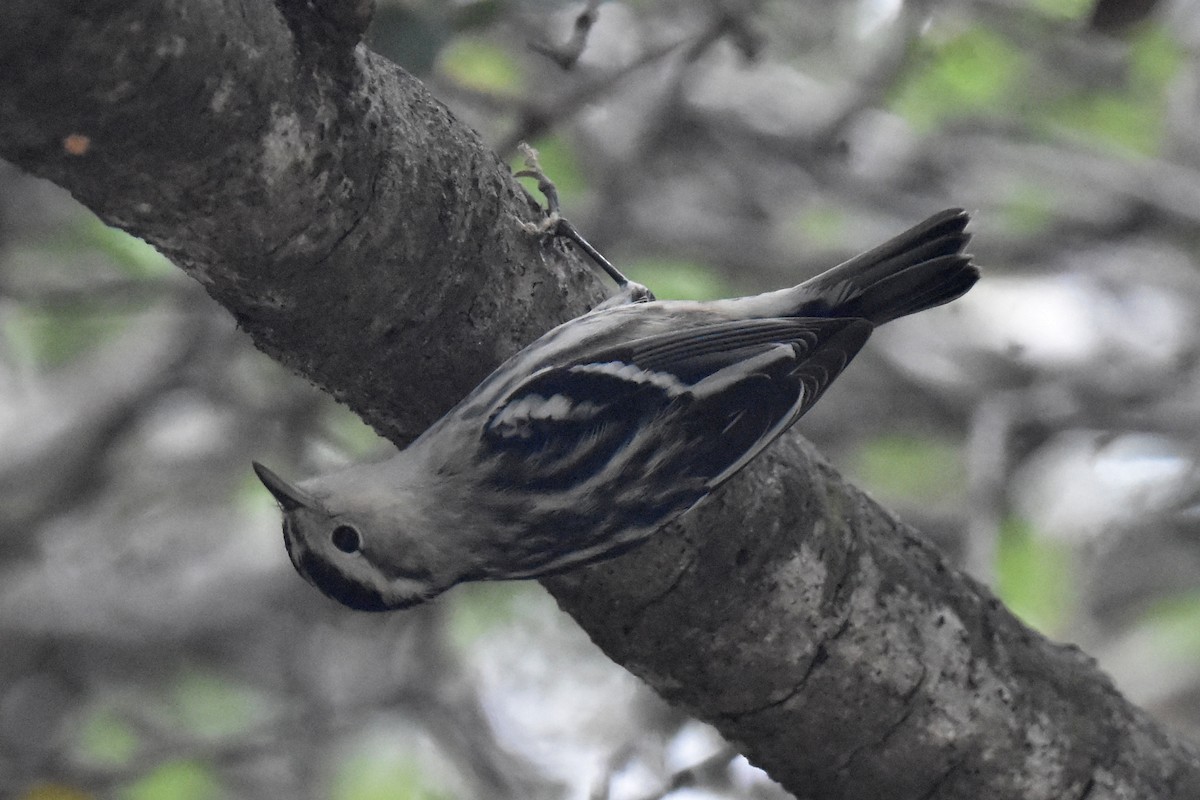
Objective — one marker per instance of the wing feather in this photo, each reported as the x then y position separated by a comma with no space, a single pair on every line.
687,408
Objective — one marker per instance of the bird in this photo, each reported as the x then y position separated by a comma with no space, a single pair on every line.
604,430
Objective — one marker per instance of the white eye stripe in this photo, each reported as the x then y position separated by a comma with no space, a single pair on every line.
634,374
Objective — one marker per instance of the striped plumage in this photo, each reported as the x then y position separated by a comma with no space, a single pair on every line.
604,430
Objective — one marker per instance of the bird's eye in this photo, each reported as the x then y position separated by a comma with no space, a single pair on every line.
346,539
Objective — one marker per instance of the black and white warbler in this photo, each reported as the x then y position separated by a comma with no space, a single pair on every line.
604,429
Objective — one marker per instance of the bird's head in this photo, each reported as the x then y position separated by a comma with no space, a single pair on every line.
367,554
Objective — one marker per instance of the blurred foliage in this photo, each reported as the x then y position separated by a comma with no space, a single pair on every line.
413,38
413,32
1030,208
1155,59
911,468
176,780
972,72
75,325
383,776
105,739
1034,577
56,338
978,71
1062,9
54,791
477,608
1115,120
1129,119
822,226
673,279
210,706
1174,625
128,253
479,64
353,437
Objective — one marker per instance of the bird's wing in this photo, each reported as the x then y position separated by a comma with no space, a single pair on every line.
686,408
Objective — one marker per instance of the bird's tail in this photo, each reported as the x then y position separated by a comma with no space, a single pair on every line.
921,268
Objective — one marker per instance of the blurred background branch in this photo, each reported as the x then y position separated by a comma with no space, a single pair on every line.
157,644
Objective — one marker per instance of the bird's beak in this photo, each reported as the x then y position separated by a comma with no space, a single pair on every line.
289,497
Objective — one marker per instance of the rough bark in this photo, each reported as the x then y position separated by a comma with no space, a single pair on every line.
363,236
355,230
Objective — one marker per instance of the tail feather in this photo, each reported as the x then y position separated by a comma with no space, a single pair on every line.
916,288
919,269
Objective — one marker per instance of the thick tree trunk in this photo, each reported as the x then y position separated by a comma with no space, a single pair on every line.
362,235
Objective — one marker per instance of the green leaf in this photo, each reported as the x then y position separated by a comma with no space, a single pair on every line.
974,72
481,65
1033,576
908,467
176,780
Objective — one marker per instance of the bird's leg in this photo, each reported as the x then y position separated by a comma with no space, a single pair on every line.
556,225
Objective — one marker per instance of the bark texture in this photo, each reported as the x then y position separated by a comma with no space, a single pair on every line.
350,224
363,236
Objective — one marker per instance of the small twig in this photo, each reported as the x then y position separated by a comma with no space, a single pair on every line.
568,53
537,117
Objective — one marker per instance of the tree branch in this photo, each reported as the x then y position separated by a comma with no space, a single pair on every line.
307,183
362,235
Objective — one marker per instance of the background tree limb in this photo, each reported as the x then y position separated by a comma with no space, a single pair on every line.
363,236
